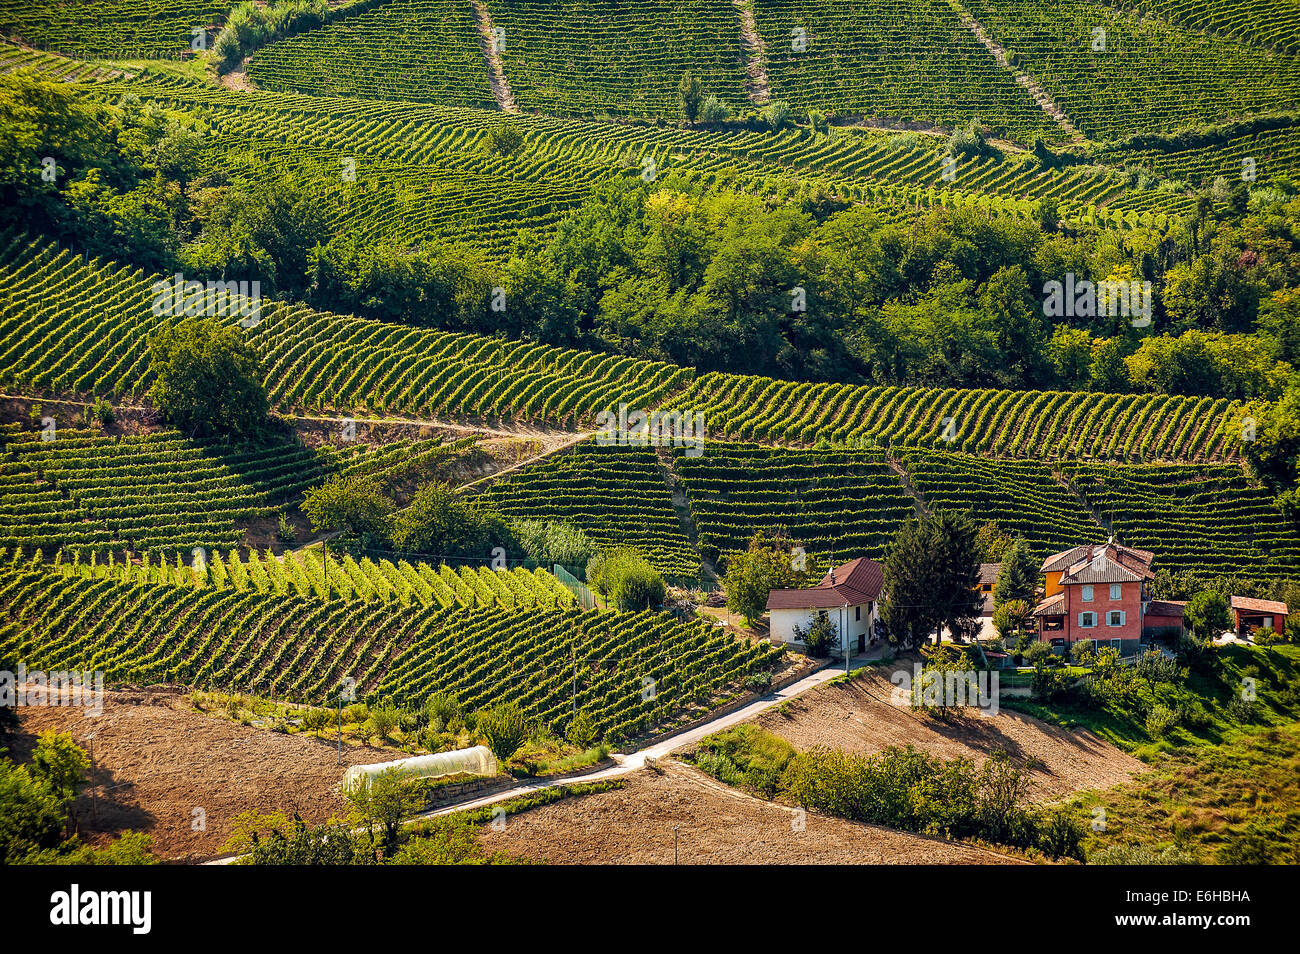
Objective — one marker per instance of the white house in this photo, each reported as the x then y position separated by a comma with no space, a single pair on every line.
849,595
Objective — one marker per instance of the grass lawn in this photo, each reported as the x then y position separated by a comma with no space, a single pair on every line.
1233,803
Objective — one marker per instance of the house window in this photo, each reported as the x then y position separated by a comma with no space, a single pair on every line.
857,613
1115,590
1087,620
1087,594
1115,618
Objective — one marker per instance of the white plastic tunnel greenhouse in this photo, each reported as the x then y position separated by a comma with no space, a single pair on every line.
478,760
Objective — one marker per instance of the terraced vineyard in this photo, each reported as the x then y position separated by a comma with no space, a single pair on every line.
572,57
161,492
1052,424
1272,24
1206,518
83,328
427,172
1021,496
839,504
617,495
909,60
311,573
1152,75
308,649
14,57
1273,153
110,29
418,50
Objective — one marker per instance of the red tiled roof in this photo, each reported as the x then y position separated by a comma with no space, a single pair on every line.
1052,606
1173,608
1251,605
1136,562
854,583
1108,562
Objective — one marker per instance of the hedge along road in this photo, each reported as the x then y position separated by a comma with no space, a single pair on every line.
630,762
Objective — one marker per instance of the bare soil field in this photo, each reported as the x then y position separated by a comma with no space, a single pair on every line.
716,825
157,760
857,716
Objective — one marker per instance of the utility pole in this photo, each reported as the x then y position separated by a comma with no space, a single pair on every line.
844,635
94,814
676,829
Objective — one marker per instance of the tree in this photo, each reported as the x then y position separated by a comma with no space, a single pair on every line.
504,728
549,542
61,762
350,503
1008,617
1018,575
1209,615
207,379
689,95
932,579
956,573
505,140
438,521
31,814
991,543
753,573
386,800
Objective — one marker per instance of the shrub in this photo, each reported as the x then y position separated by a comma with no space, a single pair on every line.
1160,720
383,720
714,110
746,755
1266,636
626,578
504,728
777,115
758,682
1241,710
443,711
549,542
505,140
819,637
284,530
582,730
1142,855
1061,833
316,720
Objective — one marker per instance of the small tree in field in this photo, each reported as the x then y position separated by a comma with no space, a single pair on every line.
504,728
690,94
1018,575
350,503
385,801
1209,615
207,379
755,572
